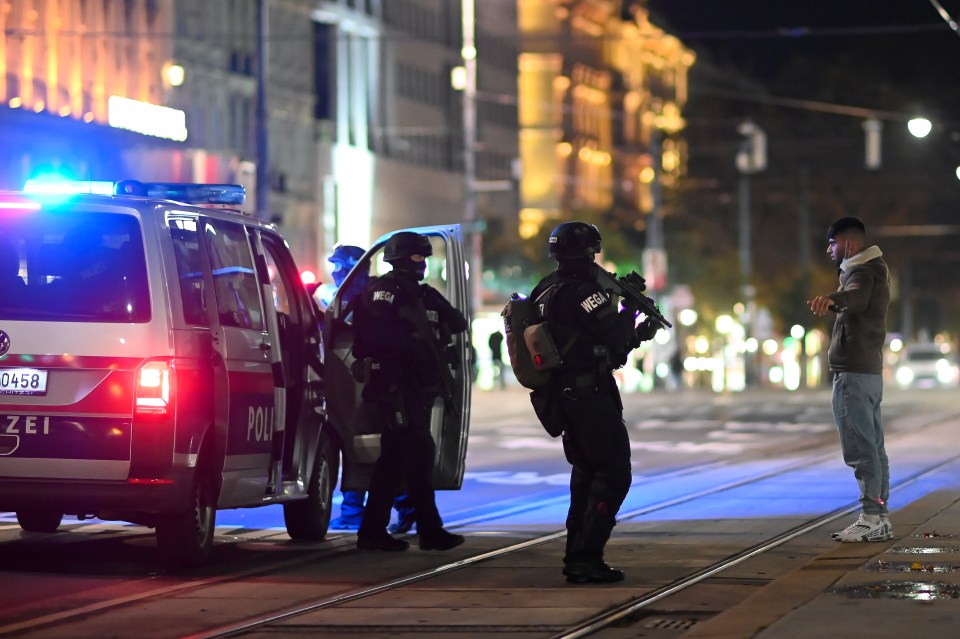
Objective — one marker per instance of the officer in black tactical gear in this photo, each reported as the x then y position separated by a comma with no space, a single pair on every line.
599,336
404,326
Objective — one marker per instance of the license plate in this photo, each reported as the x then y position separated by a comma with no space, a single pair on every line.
23,381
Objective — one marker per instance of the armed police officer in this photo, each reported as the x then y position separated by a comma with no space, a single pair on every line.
597,337
343,259
404,327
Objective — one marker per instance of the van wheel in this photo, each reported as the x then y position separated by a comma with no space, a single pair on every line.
308,519
186,539
40,521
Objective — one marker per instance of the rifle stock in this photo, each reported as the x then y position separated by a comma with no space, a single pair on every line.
631,287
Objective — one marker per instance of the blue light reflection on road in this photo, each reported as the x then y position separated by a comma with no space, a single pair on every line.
800,494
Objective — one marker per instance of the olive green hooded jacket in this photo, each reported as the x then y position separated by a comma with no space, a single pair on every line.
861,303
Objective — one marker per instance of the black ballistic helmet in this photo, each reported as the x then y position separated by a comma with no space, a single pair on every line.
404,244
574,240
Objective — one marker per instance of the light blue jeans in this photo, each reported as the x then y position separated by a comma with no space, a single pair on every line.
856,412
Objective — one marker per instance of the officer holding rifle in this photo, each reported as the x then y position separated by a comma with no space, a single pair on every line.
578,300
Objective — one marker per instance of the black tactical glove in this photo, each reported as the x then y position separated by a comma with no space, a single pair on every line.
631,305
647,329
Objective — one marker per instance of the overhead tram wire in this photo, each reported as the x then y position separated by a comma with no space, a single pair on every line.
946,16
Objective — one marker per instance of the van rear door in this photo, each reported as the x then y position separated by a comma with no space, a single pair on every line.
76,321
355,423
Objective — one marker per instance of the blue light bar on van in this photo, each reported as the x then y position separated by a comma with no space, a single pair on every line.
41,186
232,194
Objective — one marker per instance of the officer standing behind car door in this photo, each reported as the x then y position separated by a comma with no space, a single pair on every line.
398,326
595,439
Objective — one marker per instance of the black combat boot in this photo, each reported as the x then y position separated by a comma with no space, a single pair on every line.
440,540
382,541
594,571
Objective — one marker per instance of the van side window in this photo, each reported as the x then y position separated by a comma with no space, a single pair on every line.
186,247
284,300
278,281
234,277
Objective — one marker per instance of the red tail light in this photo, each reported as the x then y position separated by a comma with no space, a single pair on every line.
154,387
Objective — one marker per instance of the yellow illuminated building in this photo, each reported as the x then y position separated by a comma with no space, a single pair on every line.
67,57
600,93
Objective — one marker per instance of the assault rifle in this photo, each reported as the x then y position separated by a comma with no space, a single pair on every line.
416,314
631,287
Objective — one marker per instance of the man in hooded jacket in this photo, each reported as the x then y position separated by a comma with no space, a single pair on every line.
856,362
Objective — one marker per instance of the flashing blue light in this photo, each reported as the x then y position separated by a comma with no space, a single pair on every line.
210,194
227,194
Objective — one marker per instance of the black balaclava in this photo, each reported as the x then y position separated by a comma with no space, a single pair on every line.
406,265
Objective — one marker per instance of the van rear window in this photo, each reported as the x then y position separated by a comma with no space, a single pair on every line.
72,267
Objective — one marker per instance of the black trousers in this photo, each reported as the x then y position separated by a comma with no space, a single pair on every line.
597,446
406,456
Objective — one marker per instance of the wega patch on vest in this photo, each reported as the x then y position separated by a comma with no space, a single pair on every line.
593,302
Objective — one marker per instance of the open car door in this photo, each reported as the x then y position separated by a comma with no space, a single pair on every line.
355,422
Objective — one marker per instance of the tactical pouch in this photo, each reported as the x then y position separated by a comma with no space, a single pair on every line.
543,350
547,408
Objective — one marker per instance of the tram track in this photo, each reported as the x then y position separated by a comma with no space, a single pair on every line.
339,545
599,621
335,545
613,615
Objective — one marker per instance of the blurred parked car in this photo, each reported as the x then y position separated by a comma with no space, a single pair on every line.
927,365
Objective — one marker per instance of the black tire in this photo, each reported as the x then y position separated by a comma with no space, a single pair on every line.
39,521
309,519
186,539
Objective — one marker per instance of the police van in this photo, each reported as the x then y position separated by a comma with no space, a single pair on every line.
160,360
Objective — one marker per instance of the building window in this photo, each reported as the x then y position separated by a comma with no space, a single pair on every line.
325,71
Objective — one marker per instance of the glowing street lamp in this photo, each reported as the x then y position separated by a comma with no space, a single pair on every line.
724,324
919,127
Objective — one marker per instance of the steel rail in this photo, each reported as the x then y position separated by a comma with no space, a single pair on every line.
605,619
609,617
343,545
241,627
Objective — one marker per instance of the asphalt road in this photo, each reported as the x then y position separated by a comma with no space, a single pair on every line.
515,486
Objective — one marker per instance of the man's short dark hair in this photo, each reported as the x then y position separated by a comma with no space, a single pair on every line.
846,224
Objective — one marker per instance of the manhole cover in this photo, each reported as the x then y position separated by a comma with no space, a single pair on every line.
917,591
669,624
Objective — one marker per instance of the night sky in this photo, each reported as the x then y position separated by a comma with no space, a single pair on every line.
911,45
895,57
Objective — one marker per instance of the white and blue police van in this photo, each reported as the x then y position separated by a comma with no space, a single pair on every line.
160,360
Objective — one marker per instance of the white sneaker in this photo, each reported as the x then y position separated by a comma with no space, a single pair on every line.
866,528
836,535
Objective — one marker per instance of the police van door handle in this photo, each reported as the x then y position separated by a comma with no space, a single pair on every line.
265,345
